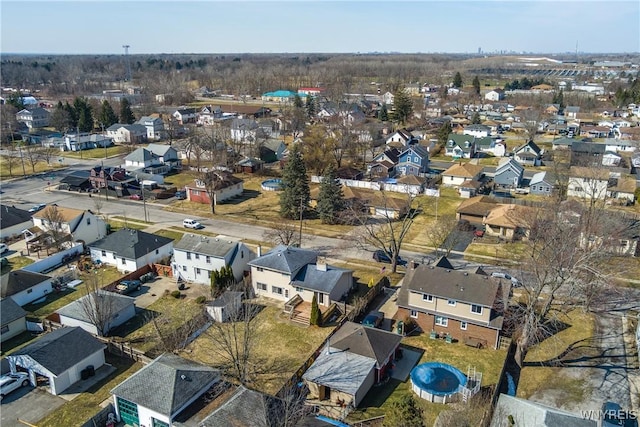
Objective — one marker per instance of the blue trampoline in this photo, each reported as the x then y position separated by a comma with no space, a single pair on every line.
437,382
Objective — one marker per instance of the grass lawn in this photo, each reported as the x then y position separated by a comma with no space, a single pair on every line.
87,404
280,348
118,224
175,235
445,205
16,263
571,343
97,153
505,251
180,179
17,168
488,362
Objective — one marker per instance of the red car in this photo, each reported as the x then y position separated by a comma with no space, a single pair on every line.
135,197
478,233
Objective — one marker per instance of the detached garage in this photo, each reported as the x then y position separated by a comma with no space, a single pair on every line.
59,357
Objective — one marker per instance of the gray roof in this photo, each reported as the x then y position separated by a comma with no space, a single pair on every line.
10,311
218,247
167,383
443,262
76,309
116,126
10,216
340,370
451,284
61,349
140,155
285,259
247,408
131,244
565,141
369,342
508,163
160,149
17,281
313,278
544,176
588,147
526,412
224,299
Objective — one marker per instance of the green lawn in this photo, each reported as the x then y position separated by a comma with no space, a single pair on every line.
180,179
16,263
175,235
97,153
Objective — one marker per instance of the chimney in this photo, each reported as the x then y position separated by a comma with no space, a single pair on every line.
259,250
413,264
321,264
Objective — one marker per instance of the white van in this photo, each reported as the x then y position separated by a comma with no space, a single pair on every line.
192,223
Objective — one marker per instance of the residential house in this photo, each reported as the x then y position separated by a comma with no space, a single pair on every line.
587,154
610,158
129,250
618,145
461,172
388,207
185,115
34,117
476,209
514,411
60,357
154,126
155,159
355,359
243,130
80,225
209,114
413,161
460,146
227,306
24,286
496,147
528,154
127,134
588,183
286,272
630,133
78,181
160,391
552,109
13,320
400,139
388,98
571,111
542,184
479,131
166,155
196,256
98,312
563,143
226,187
383,165
509,174
623,189
494,95
107,176
13,221
469,188
82,141
468,307
508,222
272,150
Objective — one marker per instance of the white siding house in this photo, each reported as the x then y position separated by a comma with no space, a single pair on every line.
88,311
128,250
81,225
24,286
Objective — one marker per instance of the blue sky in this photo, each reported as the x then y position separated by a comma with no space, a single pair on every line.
100,27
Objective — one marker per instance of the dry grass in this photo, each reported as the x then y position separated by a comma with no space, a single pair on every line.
506,251
97,153
40,167
16,263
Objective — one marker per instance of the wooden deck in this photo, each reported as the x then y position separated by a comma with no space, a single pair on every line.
301,313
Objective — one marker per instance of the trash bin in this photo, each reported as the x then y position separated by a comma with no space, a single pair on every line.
400,327
91,370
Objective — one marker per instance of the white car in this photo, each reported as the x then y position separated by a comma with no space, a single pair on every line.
11,382
3,248
37,208
192,223
514,282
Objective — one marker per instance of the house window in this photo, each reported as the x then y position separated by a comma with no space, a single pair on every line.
29,291
188,255
476,309
124,261
241,254
451,302
624,243
197,256
260,269
286,293
427,298
4,329
261,286
463,326
413,314
276,290
299,289
88,221
114,256
198,271
184,268
442,321
104,253
208,259
157,251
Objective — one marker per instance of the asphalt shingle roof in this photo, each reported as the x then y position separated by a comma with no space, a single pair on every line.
285,259
369,342
61,349
131,244
140,155
115,303
247,408
10,311
217,247
311,277
167,383
10,216
19,280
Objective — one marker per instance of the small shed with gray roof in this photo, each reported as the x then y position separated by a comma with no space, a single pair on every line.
60,357
98,312
160,391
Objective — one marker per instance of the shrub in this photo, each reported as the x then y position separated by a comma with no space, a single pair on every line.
176,294
201,299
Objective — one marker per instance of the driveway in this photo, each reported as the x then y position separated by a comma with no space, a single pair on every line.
27,404
151,291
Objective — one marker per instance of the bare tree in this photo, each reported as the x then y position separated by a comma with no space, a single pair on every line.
282,233
54,223
48,153
32,154
387,232
189,317
443,234
12,159
98,306
211,181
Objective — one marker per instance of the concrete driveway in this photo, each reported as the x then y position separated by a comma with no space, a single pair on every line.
27,404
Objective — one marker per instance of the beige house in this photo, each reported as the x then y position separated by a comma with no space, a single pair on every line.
507,222
588,183
79,224
461,172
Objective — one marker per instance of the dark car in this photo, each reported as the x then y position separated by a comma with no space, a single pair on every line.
381,256
37,208
125,287
374,319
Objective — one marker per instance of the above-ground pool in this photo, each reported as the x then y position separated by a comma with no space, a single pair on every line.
272,184
437,382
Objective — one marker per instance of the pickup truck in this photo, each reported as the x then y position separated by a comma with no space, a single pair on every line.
128,286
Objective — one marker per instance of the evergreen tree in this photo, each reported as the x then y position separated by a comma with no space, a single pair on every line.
558,98
311,107
330,198
60,118
126,115
383,114
295,196
16,100
476,85
476,118
297,101
107,116
457,80
403,413
314,318
84,114
443,133
73,115
402,107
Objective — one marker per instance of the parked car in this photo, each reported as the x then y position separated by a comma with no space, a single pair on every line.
181,195
464,225
381,256
127,286
192,223
11,382
37,208
374,319
514,282
135,197
3,248
478,233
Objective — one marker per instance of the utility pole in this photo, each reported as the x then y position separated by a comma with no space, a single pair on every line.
300,234
126,58
104,141
106,181
144,203
78,140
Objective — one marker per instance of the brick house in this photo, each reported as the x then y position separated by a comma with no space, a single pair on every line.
467,306
227,187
